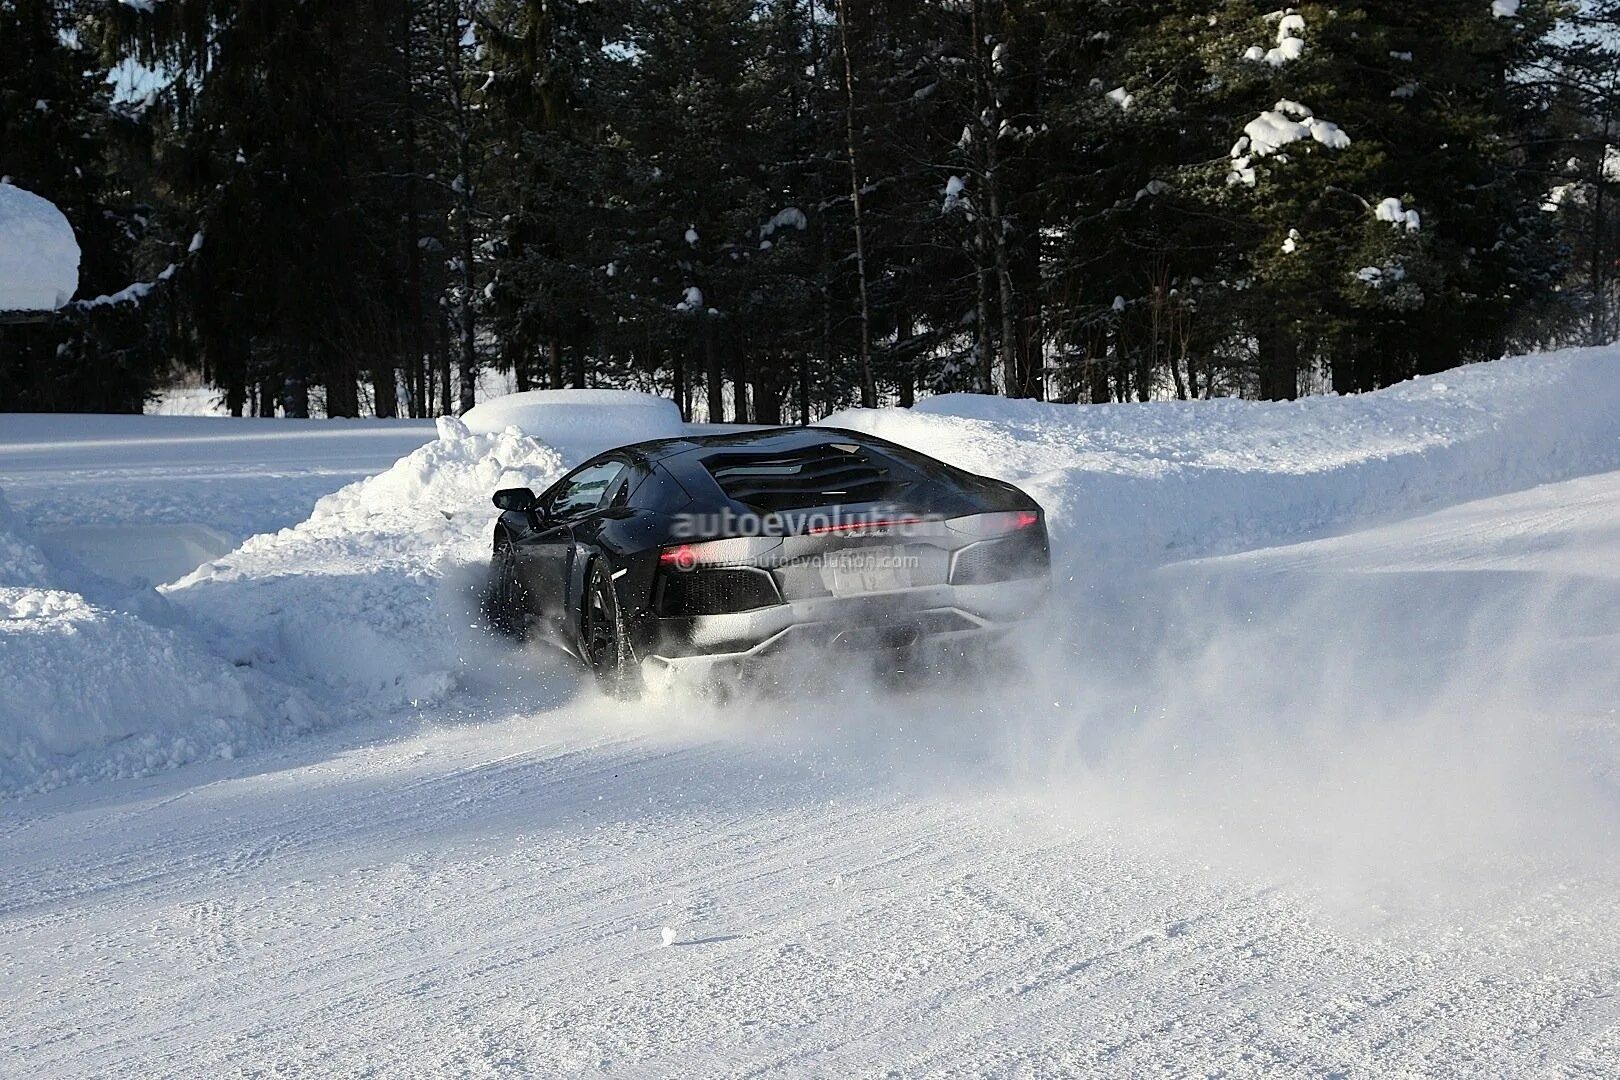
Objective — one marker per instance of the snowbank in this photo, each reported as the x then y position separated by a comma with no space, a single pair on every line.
87,693
39,257
585,421
1145,481
367,603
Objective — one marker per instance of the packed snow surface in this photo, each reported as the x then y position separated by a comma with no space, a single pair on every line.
1315,769
39,257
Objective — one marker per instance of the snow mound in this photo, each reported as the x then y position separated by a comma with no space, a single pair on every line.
366,602
88,693
39,257
21,562
582,421
1146,481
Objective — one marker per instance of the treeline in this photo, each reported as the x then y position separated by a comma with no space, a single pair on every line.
769,208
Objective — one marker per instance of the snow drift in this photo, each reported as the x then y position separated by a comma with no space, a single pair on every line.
1154,480
88,691
584,421
368,602
39,257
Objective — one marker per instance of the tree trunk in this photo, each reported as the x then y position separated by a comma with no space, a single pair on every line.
342,396
682,398
905,372
1598,334
295,398
384,392
714,377
868,385
804,388
740,411
413,253
1279,364
554,364
766,399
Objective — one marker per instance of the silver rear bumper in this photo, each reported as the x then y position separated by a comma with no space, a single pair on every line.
928,615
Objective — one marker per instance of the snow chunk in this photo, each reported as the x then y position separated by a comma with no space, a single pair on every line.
786,218
1392,211
1271,131
39,257
1290,49
1378,276
1327,133
1153,188
1291,245
1504,9
691,236
1290,45
691,300
1121,97
130,294
953,195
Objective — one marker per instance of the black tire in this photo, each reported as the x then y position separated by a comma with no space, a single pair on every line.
506,599
605,637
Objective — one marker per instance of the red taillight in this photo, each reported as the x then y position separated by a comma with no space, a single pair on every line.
999,523
734,551
681,556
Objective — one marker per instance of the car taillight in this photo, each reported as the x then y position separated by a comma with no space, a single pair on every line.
736,551
1002,523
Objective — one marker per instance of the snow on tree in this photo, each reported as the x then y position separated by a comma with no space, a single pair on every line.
39,257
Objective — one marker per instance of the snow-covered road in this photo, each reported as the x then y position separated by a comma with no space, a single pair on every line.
1340,805
851,892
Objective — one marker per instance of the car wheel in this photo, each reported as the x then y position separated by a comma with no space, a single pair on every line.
606,638
506,599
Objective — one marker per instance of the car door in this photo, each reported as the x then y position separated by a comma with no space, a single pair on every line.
552,548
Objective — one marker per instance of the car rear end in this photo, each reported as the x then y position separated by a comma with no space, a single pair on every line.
847,543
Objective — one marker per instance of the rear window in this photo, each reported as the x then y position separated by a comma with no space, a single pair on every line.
823,475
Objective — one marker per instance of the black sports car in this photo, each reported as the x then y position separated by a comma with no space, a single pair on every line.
702,554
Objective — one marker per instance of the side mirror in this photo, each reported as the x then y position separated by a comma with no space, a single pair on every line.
518,499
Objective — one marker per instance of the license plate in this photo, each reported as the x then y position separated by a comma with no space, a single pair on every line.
866,570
